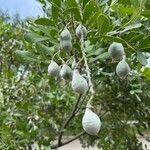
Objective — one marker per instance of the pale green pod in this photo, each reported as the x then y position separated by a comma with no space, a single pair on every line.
91,122
66,45
81,30
66,72
116,51
65,35
122,69
79,83
53,69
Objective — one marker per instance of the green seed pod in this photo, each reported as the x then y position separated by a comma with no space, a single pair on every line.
122,69
66,72
79,83
81,30
65,35
91,122
53,69
66,45
116,51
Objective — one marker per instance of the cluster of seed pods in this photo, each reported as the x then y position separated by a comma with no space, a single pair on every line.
116,52
90,122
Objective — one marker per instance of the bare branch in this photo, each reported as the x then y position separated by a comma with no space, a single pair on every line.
69,141
88,71
69,118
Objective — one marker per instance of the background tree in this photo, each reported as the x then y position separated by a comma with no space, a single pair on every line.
36,108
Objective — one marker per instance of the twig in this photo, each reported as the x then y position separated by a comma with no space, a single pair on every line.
88,71
81,103
69,141
69,119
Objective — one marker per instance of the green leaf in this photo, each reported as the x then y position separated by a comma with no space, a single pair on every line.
25,56
90,8
93,19
103,24
44,50
73,8
44,21
146,73
55,9
74,11
146,13
102,57
134,37
95,52
145,44
34,38
141,58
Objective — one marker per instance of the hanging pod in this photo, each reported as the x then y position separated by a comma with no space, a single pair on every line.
122,69
81,30
91,122
53,69
66,72
65,35
116,51
79,83
66,45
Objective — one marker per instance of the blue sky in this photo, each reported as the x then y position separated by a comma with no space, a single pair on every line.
25,8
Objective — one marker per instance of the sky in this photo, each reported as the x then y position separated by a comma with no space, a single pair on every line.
26,8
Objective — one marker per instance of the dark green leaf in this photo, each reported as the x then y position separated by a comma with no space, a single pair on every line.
44,21
146,13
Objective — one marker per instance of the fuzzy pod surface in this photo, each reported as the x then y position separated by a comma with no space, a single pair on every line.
65,35
53,69
91,122
79,83
116,51
122,69
66,72
81,30
66,45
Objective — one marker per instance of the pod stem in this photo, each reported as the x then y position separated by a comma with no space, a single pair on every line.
88,72
55,54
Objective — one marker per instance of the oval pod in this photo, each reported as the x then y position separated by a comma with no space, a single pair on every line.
66,45
79,83
91,122
65,35
81,30
66,72
53,69
116,51
122,69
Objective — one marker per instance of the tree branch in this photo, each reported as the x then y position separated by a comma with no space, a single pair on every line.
69,141
69,119
88,71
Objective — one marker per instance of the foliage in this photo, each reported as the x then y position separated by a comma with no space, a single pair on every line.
35,106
